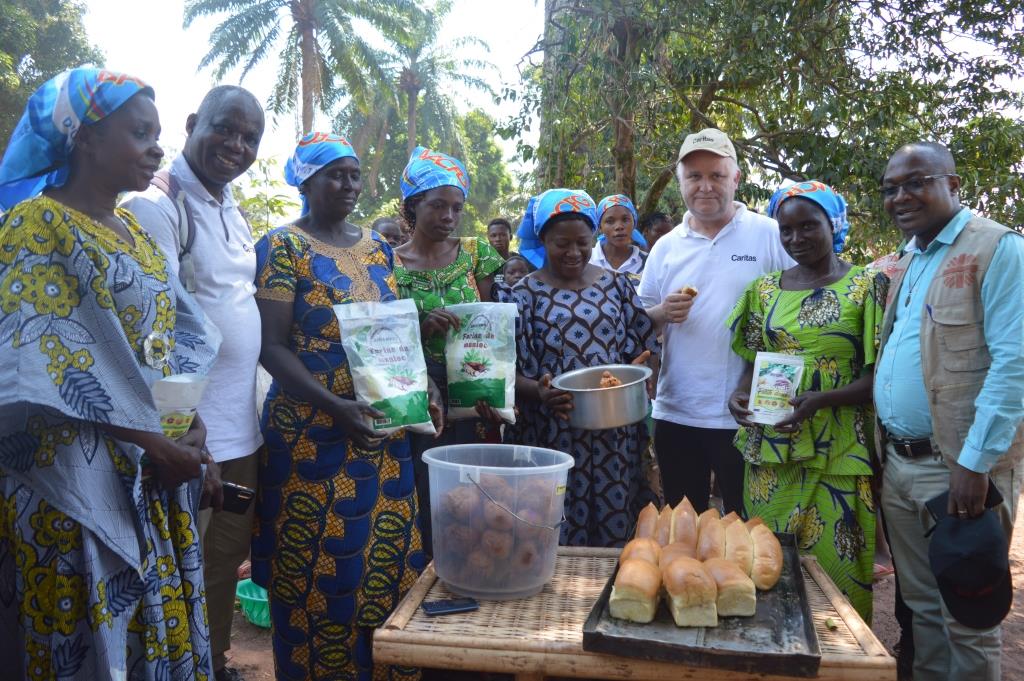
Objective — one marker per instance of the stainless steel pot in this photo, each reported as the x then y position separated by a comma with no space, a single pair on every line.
597,408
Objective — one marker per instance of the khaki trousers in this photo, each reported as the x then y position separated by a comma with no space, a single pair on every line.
225,537
944,649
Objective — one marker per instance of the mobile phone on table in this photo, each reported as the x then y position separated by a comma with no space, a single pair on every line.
237,498
450,606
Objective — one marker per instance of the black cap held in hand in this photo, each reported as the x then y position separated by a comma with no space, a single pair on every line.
970,560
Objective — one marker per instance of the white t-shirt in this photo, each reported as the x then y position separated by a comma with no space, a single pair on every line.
699,370
634,264
225,263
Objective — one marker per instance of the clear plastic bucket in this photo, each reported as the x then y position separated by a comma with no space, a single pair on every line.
496,512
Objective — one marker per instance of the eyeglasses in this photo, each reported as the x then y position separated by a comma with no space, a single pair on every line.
913,186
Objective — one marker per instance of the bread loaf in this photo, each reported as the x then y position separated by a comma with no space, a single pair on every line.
710,513
676,550
730,518
691,593
642,549
684,524
767,565
647,521
711,541
635,592
663,532
736,594
754,522
738,546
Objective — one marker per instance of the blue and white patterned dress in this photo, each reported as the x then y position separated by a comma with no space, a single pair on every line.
560,330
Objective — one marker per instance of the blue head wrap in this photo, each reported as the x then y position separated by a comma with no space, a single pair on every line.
823,195
621,200
428,169
315,151
539,212
37,155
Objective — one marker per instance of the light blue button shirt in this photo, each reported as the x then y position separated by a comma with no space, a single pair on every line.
899,391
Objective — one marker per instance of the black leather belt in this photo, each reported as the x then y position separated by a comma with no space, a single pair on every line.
912,449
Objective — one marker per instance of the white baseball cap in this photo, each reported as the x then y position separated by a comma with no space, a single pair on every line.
708,139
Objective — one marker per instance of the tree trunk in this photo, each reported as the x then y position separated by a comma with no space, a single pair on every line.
623,150
550,168
656,189
302,14
378,154
410,118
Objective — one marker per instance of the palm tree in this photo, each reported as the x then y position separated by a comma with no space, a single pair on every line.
428,67
322,55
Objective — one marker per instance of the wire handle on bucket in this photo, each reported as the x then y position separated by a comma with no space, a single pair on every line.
552,528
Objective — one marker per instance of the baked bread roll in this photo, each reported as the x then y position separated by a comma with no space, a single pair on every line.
498,544
676,550
730,518
754,522
738,546
711,541
684,524
642,549
663,530
635,592
736,594
691,593
710,513
767,565
689,289
461,503
497,518
647,521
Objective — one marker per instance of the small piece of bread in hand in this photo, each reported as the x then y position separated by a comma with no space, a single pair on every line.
691,290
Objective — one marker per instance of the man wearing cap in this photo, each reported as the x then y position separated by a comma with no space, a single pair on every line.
948,390
718,249
218,267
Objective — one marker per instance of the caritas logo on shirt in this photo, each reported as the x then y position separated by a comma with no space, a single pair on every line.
743,258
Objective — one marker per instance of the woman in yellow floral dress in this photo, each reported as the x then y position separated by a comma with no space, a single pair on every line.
100,573
810,473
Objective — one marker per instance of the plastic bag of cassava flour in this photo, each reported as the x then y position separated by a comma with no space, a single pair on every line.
382,341
481,358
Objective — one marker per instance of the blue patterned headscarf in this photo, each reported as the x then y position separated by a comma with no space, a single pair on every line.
37,155
539,212
428,170
315,151
823,195
621,200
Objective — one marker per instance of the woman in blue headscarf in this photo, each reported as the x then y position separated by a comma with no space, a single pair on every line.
617,223
810,474
574,314
100,569
439,268
336,541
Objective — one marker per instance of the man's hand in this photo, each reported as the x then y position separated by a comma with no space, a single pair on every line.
677,307
967,492
213,491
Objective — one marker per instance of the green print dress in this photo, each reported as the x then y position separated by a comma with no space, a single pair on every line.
100,569
816,482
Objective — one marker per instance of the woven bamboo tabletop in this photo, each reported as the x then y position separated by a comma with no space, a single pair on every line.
542,635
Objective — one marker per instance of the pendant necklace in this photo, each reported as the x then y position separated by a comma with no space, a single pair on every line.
910,292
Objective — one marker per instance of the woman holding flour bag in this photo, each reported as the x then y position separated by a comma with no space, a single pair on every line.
809,473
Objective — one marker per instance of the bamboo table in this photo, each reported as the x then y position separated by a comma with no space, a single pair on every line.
542,635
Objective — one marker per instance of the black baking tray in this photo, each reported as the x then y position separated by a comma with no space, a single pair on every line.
778,639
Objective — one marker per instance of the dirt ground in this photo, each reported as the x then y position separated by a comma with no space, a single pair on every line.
250,652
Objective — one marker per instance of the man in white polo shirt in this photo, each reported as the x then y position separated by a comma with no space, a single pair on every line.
194,204
718,249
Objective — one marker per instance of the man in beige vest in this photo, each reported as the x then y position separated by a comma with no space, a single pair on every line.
949,390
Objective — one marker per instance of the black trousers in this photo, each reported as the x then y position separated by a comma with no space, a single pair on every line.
687,455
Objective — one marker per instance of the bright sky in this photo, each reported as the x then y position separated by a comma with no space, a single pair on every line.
145,38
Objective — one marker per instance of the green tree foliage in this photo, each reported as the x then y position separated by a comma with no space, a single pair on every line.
38,40
320,52
265,200
824,89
